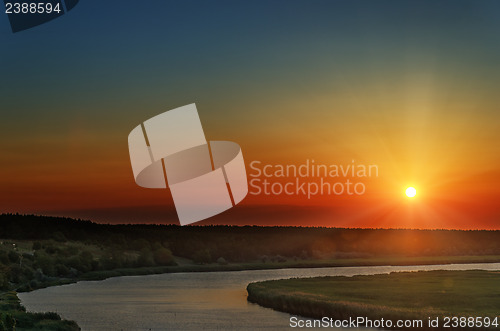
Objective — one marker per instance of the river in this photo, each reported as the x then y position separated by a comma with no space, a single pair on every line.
186,301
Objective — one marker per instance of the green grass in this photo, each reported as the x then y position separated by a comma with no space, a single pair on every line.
10,308
394,296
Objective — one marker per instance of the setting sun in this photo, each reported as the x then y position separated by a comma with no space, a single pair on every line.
411,192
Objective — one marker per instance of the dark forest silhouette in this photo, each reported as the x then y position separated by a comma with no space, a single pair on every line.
243,243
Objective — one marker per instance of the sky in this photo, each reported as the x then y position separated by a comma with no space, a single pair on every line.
410,86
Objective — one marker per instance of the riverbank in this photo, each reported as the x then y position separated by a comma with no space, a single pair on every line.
39,251
395,296
52,321
215,267
13,316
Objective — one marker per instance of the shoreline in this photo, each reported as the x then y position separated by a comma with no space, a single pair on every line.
213,267
102,275
395,297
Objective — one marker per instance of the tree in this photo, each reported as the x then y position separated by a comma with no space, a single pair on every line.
202,256
156,245
13,257
46,263
4,258
16,273
10,322
59,236
140,244
117,239
163,256
221,261
86,257
146,258
4,282
62,270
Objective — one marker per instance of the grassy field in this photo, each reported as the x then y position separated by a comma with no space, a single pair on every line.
394,296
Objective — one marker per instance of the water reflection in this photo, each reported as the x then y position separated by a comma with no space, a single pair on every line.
185,301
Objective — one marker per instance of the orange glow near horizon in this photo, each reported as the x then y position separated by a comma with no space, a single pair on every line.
456,189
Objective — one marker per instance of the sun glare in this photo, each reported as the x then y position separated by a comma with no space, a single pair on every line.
411,192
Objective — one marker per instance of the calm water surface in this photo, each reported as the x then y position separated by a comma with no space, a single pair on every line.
186,301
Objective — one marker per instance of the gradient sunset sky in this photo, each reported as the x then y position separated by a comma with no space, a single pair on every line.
412,86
